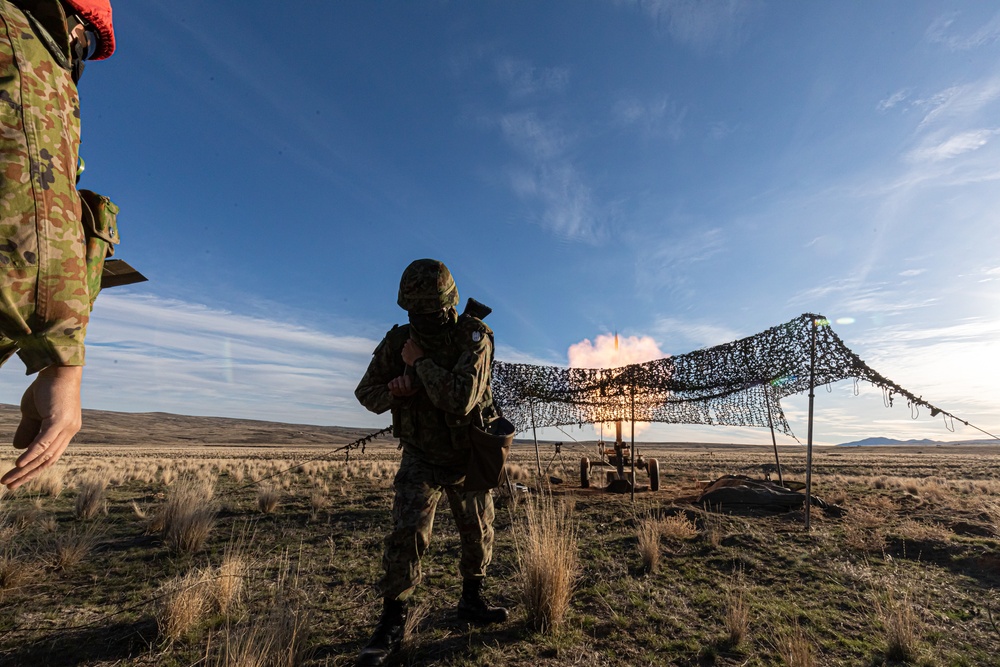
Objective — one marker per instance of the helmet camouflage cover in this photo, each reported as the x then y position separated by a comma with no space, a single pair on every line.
427,286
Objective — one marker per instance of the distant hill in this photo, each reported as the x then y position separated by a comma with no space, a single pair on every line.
102,427
874,442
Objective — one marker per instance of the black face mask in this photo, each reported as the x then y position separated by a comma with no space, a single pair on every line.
433,323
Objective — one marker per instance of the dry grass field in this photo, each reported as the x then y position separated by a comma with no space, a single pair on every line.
144,550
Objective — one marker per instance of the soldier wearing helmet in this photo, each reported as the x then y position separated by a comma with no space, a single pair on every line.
434,375
48,263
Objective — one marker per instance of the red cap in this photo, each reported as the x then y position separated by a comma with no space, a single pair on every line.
98,14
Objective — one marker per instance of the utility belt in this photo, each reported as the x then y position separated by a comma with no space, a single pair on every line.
486,436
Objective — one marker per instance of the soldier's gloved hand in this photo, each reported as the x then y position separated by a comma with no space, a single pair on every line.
402,386
411,352
50,417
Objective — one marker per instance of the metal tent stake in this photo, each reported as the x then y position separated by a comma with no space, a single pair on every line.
809,442
774,441
632,374
534,435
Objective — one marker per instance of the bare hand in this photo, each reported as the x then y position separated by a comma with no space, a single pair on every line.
50,417
411,352
402,386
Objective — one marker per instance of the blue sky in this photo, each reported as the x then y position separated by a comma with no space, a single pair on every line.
689,172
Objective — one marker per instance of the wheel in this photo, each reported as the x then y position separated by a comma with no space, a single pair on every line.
653,466
584,473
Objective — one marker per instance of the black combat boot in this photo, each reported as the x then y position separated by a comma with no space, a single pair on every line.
387,636
472,607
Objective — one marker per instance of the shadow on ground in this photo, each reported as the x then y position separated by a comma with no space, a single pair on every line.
106,643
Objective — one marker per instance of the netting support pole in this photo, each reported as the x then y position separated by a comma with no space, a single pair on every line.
809,441
632,445
774,441
534,435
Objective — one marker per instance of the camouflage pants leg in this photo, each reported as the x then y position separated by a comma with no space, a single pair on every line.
474,515
416,499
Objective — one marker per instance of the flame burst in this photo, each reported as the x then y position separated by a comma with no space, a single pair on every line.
614,351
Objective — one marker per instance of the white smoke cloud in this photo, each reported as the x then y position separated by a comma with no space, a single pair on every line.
614,351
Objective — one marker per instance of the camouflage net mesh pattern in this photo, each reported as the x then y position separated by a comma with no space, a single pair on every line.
735,384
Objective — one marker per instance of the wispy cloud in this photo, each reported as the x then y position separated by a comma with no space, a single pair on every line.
702,25
954,366
893,100
963,142
549,178
974,329
568,210
667,264
720,130
522,79
852,297
951,149
686,335
533,137
944,30
514,356
958,102
660,117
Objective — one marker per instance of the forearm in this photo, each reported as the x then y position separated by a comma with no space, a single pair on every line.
373,395
373,390
456,391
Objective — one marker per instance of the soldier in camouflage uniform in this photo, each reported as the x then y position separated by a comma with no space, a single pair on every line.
434,375
45,297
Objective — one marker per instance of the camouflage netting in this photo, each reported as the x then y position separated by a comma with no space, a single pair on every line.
733,384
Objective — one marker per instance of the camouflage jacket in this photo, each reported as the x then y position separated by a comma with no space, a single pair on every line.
44,299
453,378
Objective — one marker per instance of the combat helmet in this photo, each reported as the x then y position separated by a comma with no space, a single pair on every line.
426,287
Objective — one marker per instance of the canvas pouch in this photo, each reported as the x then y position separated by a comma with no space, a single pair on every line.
490,448
100,229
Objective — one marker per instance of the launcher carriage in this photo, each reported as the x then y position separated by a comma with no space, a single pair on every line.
618,455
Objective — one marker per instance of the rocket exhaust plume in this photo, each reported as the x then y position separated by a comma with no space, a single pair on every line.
614,351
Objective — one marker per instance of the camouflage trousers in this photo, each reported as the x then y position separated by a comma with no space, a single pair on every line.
418,487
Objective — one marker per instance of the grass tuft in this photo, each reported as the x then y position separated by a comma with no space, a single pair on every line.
414,621
548,563
901,625
649,532
50,483
678,528
16,570
736,618
276,638
72,548
90,497
182,605
795,647
188,516
268,498
229,582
